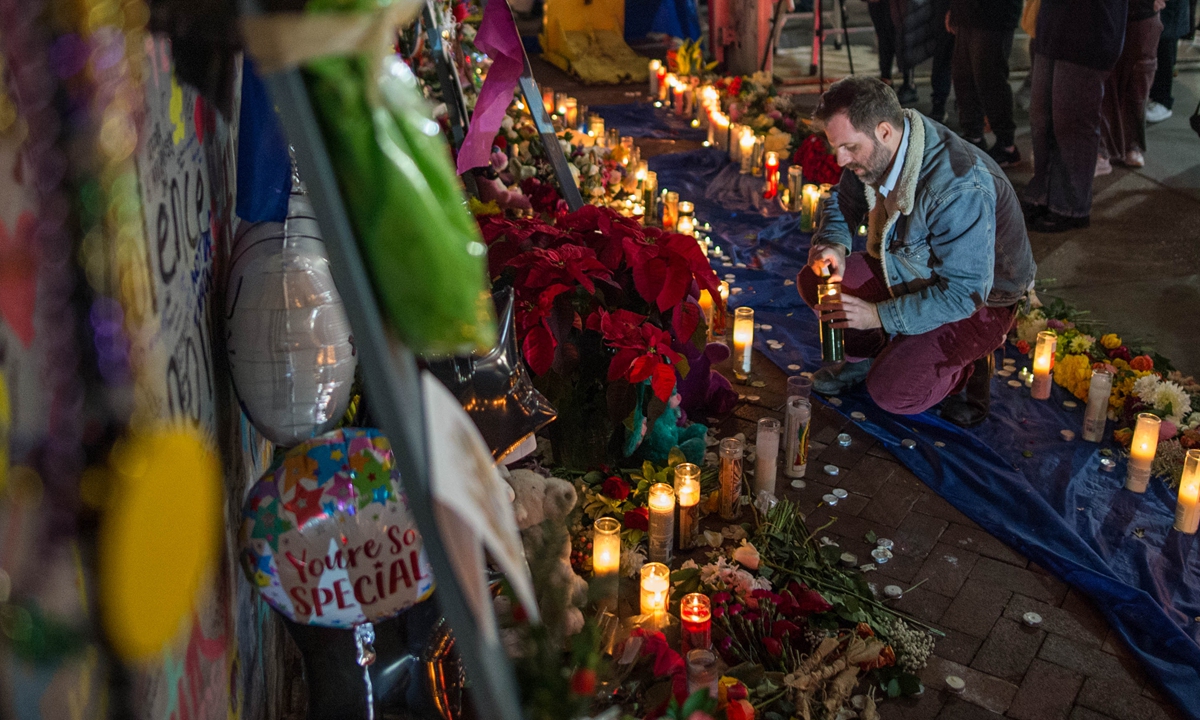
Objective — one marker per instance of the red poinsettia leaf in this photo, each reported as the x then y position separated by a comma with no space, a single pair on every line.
649,277
642,368
538,349
663,381
619,366
685,319
675,285
593,320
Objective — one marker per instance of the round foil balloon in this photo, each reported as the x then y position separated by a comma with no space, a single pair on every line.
495,389
326,536
290,351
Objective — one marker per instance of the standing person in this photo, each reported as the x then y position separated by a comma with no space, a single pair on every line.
885,35
983,37
1077,45
921,34
1123,114
947,257
1175,21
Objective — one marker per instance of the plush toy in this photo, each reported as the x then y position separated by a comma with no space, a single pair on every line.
668,433
541,508
706,392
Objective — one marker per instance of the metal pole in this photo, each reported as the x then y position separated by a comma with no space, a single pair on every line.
393,384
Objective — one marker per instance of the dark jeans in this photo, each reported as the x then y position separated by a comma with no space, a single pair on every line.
943,68
981,83
1064,122
912,373
1123,126
885,33
1164,75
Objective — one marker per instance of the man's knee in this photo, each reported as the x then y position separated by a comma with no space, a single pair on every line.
901,396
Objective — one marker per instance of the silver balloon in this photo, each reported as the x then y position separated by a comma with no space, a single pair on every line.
291,353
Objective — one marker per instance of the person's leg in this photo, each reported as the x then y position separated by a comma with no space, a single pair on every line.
966,95
1164,73
1112,116
943,61
1077,94
885,35
1045,153
1141,42
916,372
991,77
863,279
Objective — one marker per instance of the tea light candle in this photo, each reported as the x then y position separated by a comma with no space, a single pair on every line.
656,583
655,66
670,210
1141,452
548,99
743,341
570,112
798,418
1187,512
685,225
766,444
730,494
706,307
746,150
811,197
606,560
1043,362
695,612
662,521
1096,414
687,489
772,166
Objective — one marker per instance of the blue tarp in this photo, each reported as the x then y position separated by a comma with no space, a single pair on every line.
676,18
1045,497
640,120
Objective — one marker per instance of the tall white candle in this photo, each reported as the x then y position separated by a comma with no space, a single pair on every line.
730,497
662,522
606,560
1141,452
1096,413
687,489
798,418
654,66
743,341
1187,512
1043,363
766,448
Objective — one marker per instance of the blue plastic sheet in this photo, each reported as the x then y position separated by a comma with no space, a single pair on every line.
264,169
1014,475
676,18
641,120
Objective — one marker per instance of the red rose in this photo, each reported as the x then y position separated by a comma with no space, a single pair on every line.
461,12
638,519
583,681
1022,347
735,86
773,646
615,488
1142,363
1121,352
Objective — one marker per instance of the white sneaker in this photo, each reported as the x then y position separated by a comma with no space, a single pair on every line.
1156,112
1135,158
1103,166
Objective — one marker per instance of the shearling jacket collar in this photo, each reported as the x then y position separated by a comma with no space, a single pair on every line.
905,192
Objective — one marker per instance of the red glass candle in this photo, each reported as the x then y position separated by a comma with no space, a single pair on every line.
695,612
772,167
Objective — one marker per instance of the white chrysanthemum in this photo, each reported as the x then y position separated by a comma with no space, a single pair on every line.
1193,421
632,560
1173,400
1030,325
1146,388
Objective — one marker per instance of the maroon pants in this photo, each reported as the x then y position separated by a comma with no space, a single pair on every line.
912,373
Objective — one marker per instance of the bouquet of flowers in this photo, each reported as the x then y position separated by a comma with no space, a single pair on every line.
754,101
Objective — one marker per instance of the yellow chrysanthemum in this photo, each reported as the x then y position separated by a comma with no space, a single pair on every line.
1110,341
1074,372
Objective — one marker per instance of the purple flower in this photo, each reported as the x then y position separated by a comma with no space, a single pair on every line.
1055,324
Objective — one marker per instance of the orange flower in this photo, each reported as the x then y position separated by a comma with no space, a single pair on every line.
1142,363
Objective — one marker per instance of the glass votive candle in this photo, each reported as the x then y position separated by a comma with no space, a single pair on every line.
799,386
1187,511
661,499
766,450
670,210
1141,452
743,341
1096,414
730,476
797,421
703,671
695,614
1043,363
548,99
606,560
655,585
687,491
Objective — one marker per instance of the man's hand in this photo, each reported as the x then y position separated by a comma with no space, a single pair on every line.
851,313
828,256
950,28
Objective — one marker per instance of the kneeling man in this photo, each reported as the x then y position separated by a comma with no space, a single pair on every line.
947,256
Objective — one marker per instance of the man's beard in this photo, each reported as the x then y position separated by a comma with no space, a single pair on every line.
872,173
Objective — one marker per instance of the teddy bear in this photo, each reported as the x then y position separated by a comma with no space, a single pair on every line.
541,508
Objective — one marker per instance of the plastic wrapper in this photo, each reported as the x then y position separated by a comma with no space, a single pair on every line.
421,245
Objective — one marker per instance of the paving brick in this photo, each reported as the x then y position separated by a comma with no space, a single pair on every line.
1121,700
902,569
917,534
923,707
1089,661
976,607
892,503
753,413
983,690
957,646
922,604
851,455
826,433
1008,650
1034,585
880,451
869,475
1086,629
1082,713
946,568
930,503
1047,693
975,539
958,709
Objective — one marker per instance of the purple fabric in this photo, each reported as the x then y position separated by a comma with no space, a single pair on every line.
498,38
912,373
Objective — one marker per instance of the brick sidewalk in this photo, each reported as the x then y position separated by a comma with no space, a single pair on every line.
972,587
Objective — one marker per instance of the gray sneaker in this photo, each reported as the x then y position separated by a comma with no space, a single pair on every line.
835,379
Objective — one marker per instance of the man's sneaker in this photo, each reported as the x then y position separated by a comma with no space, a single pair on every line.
835,379
1135,158
1005,157
1156,112
1052,222
1103,166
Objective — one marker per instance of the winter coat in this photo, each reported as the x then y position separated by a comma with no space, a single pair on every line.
995,15
1085,32
1175,20
920,26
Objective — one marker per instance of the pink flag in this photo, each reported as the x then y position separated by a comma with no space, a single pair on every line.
498,38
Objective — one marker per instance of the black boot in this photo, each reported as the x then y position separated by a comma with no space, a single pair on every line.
970,407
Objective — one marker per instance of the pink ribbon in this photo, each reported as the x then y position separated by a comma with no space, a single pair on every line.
498,38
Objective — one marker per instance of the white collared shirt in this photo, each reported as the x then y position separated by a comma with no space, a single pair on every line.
894,176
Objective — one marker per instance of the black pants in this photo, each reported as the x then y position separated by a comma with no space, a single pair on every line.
885,33
981,83
943,64
1164,76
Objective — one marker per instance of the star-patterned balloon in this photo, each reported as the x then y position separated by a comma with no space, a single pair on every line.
326,535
